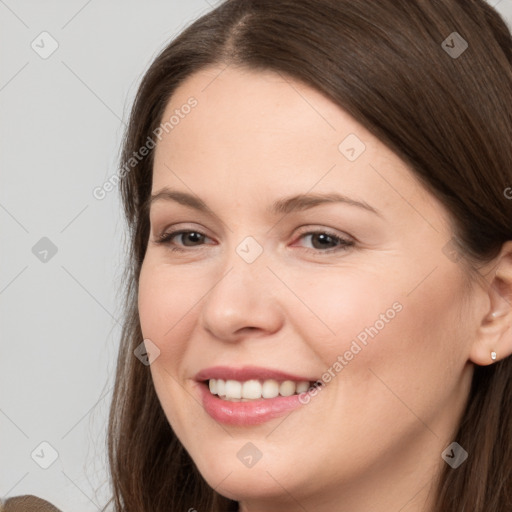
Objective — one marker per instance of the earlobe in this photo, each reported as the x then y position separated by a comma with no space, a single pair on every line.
493,341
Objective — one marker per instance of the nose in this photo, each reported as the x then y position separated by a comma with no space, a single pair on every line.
243,301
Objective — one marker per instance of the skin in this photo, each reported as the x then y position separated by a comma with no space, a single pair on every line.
372,438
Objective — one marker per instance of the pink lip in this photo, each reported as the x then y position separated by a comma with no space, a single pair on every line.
247,373
253,412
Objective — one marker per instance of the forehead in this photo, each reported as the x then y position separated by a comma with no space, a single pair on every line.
255,132
243,106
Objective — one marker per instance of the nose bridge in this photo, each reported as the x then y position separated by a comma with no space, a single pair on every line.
246,261
241,297
249,250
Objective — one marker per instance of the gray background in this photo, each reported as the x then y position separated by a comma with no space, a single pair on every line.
62,119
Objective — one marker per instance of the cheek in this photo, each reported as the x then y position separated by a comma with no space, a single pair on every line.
166,303
414,362
364,317
370,327
342,310
166,310
326,309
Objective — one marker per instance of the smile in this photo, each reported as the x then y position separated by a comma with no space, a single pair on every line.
235,391
250,395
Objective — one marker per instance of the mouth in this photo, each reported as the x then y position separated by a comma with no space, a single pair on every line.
250,395
255,389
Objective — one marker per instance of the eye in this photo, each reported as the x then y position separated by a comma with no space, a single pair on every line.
187,235
322,240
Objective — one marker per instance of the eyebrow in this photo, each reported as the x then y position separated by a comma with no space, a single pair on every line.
283,206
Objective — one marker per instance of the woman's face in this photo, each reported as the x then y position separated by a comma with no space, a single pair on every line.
362,294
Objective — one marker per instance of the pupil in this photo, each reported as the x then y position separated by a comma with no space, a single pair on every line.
193,235
323,238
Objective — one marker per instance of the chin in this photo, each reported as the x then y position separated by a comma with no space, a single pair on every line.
249,484
229,476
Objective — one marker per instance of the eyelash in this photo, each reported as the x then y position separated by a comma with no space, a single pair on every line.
165,239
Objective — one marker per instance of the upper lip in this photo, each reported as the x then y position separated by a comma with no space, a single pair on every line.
247,373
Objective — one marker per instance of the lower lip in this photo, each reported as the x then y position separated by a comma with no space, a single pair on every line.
254,412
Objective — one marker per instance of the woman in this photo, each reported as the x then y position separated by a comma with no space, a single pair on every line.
318,301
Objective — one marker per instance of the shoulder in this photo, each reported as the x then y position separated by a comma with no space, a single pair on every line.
27,503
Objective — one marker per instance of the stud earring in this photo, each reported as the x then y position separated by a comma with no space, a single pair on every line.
493,355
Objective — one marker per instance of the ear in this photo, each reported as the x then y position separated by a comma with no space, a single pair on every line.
494,330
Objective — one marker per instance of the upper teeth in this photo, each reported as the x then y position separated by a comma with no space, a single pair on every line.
254,389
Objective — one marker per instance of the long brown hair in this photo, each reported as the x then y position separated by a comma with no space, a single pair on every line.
448,116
